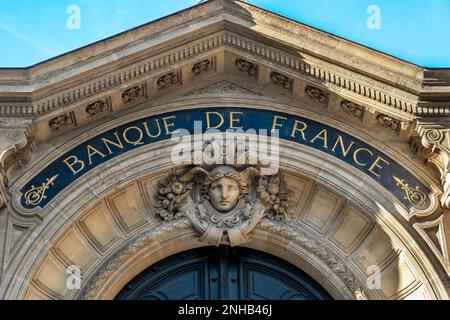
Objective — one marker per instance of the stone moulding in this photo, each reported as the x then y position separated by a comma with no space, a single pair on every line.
294,234
282,229
121,257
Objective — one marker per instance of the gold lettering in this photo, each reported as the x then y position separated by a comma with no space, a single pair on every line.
73,163
208,120
376,165
233,120
148,130
136,142
323,135
356,153
340,141
117,144
92,151
169,125
275,122
297,129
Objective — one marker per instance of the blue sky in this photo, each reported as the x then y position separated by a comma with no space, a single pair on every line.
35,30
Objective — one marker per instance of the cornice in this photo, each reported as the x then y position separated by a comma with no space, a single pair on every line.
335,78
340,65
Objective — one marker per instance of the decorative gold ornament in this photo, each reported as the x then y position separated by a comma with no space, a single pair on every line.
35,195
415,196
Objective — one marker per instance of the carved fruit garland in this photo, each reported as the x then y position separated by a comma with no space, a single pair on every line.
271,195
171,194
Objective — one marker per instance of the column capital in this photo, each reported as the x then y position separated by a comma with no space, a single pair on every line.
12,141
435,138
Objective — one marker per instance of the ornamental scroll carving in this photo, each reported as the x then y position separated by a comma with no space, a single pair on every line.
435,140
223,204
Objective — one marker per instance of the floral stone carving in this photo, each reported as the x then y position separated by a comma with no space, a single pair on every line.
224,205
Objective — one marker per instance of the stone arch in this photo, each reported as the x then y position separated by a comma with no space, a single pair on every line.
341,225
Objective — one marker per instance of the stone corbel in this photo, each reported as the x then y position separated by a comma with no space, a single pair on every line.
12,142
435,139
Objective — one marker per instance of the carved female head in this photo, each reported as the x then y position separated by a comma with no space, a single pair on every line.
224,187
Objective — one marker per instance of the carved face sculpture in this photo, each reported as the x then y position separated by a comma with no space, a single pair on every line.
224,194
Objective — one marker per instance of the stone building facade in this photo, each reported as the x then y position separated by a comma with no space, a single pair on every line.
87,178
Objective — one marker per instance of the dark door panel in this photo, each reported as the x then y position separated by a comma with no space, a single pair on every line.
223,273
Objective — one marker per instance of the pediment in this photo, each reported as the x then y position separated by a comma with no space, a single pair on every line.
218,50
223,88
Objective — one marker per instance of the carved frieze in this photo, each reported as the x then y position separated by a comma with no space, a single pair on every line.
98,108
247,68
133,94
352,109
168,80
316,95
224,205
387,122
282,81
63,121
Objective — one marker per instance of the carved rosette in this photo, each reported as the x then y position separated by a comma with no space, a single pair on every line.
316,95
98,108
436,141
167,81
202,67
247,68
224,205
132,94
282,81
388,123
352,109
63,121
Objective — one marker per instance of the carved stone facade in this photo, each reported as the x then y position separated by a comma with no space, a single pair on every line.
324,211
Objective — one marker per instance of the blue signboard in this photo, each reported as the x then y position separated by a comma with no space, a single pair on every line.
65,170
